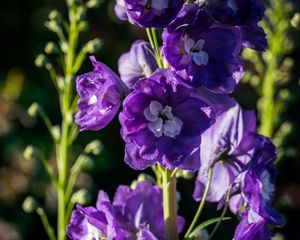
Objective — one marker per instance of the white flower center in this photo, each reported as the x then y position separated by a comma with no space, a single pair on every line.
199,56
267,187
232,5
162,121
93,99
93,233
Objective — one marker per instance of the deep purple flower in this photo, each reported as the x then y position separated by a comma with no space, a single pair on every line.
136,214
245,15
255,230
120,10
225,146
258,183
203,53
137,63
95,223
152,13
162,121
100,94
140,210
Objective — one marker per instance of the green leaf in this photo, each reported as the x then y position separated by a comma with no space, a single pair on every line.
206,224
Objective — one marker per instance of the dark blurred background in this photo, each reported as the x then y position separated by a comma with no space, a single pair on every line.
23,37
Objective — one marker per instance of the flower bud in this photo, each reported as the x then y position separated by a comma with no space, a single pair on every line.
93,3
295,22
54,15
30,205
51,48
93,46
64,47
55,131
145,177
69,117
82,197
133,184
41,60
30,153
95,147
60,83
80,13
72,2
33,110
53,26
83,26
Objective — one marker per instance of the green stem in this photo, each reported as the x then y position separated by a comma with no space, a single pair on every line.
170,210
219,222
46,224
201,206
156,48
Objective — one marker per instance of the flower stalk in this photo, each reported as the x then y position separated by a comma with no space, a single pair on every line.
169,202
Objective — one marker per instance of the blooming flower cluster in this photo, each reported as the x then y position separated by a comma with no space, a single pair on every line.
180,116
129,216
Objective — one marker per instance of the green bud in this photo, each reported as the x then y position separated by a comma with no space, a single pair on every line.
55,131
72,2
33,110
187,174
83,26
64,47
30,153
54,15
145,177
69,117
51,48
93,46
82,197
30,205
295,22
53,26
60,83
41,60
133,184
80,13
95,147
93,3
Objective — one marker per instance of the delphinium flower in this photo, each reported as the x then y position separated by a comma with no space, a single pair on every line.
254,193
152,13
245,15
202,52
101,92
162,121
137,63
120,10
224,147
131,216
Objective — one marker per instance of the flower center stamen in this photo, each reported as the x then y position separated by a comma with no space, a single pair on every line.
193,48
162,121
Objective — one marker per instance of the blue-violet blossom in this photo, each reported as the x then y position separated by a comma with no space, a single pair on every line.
152,13
137,63
101,92
120,10
135,214
162,121
202,52
245,15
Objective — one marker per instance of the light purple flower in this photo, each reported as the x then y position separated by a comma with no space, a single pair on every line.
137,63
100,91
152,13
245,15
135,214
225,146
162,121
203,53
120,10
255,230
95,223
140,210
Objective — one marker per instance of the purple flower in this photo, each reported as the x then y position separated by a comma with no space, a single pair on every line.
140,210
137,63
225,146
135,214
100,94
255,230
245,15
203,53
162,121
152,13
120,10
95,223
